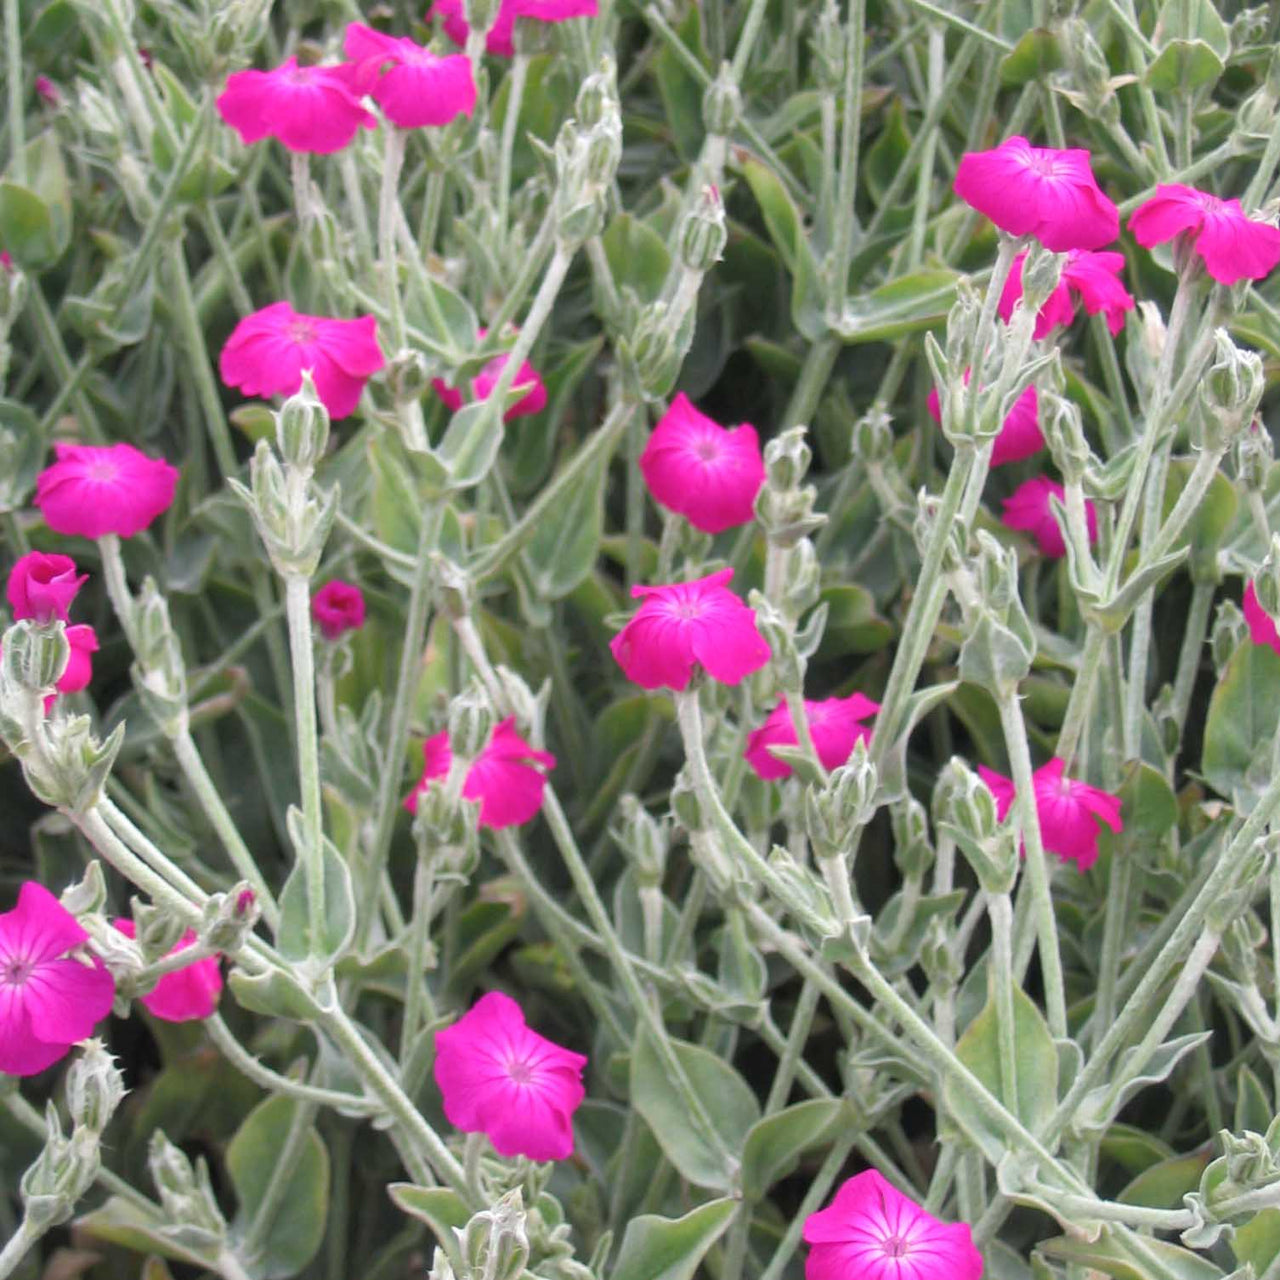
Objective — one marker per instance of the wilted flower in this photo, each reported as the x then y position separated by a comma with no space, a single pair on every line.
187,994
500,1078
1028,510
507,777
94,490
707,473
1232,245
871,1231
42,586
48,1000
412,85
499,39
1094,278
311,109
1039,191
338,607
1020,435
268,351
834,725
1067,810
689,624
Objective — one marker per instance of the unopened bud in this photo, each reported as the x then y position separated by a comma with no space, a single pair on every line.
95,1087
787,458
872,439
835,813
302,427
1230,392
1229,632
962,325
454,592
976,829
495,1242
779,634
828,47
409,375
912,850
470,722
803,584
35,655
1063,430
703,235
597,95
722,103
227,919
1041,272
157,929
185,1192
686,804
644,840
1254,454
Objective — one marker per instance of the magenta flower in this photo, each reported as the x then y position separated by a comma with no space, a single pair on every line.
312,109
79,670
686,625
1262,628
1041,192
42,586
506,777
498,1077
483,383
1233,245
1028,510
833,725
871,1231
268,351
1092,277
187,994
48,1000
338,607
1020,434
499,40
412,85
705,472
93,490
1067,811
48,91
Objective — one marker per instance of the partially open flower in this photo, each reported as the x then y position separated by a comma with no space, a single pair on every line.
188,994
499,40
268,351
1094,278
42,586
309,109
1028,510
871,1231
707,473
412,85
834,724
500,1078
1232,245
1044,192
1069,811
93,490
338,607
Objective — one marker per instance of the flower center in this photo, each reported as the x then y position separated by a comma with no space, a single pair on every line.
301,331
1043,162
14,971
520,1072
895,1247
706,449
688,610
103,471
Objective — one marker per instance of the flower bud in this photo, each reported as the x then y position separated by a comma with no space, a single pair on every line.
603,152
1041,271
61,1174
872,438
227,919
962,326
787,515
186,1193
1064,433
470,722
787,458
1230,392
95,1087
803,585
779,634
722,103
938,959
1142,357
828,48
35,655
409,374
912,852
835,813
703,234
157,928
597,95
1229,632
686,804
976,829
302,427
1254,454
495,1243
643,839
454,592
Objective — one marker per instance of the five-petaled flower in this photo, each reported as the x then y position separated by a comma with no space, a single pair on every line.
1020,434
705,472
1232,245
1069,811
507,777
871,1231
1043,192
687,625
1028,511
187,994
42,586
412,85
94,490
499,1077
49,997
1092,277
268,351
338,607
309,109
499,40
834,725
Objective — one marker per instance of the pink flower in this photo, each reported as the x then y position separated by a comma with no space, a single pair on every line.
93,490
1028,510
502,1079
1094,277
48,91
411,84
871,1231
689,624
1233,246
707,473
499,39
483,383
186,994
1066,810
311,109
1041,192
833,725
506,777
1262,628
42,586
79,670
268,351
1020,434
48,1000
338,607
